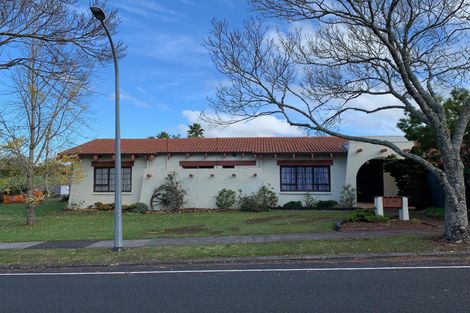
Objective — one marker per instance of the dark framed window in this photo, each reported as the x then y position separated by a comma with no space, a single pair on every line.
305,178
104,179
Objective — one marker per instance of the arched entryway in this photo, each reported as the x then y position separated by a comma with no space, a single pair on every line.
370,180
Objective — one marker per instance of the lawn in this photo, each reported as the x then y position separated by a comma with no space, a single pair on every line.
55,224
148,255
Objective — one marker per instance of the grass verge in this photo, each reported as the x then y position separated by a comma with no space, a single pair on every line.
59,257
55,224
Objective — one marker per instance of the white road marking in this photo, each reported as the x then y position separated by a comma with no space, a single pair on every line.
253,270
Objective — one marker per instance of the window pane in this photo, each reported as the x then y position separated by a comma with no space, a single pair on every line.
304,178
101,177
126,178
321,179
288,179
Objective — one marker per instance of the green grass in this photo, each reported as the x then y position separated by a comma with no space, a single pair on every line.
55,224
148,255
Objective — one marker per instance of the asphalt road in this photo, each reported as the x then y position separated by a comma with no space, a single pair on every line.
298,287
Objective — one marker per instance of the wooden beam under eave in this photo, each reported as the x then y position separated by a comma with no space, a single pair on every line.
293,156
205,155
113,157
169,155
187,155
312,156
133,157
95,157
275,156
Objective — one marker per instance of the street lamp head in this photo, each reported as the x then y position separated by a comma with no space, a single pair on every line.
98,13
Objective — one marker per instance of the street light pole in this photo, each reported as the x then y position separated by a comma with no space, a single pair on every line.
99,15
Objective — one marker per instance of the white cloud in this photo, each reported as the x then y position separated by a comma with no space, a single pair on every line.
135,101
380,123
265,126
148,8
170,47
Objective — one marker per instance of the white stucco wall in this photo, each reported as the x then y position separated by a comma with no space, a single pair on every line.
83,194
202,188
368,152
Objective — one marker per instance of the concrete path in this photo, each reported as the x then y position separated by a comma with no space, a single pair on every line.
158,242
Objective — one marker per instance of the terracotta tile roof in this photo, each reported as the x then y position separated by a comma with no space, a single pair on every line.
215,145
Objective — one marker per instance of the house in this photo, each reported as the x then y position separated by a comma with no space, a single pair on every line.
293,167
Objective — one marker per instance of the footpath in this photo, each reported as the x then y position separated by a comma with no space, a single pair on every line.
187,241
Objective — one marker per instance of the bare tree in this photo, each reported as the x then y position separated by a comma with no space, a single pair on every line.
54,46
48,110
409,49
60,25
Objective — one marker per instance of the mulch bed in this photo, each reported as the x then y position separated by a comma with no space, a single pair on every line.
388,225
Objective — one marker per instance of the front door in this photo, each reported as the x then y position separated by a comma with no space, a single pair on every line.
370,181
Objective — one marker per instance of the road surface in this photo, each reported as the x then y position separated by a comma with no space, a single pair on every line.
358,286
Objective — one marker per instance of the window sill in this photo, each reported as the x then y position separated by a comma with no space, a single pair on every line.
305,192
110,193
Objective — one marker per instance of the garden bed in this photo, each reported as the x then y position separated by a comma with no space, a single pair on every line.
393,224
283,208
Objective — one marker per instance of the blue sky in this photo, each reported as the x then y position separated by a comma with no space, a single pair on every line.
167,74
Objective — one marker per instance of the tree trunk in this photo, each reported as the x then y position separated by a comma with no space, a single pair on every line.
30,203
456,219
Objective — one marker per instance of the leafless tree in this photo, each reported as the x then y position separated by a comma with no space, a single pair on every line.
53,47
45,112
412,50
60,25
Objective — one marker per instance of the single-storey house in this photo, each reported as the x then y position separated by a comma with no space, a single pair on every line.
293,167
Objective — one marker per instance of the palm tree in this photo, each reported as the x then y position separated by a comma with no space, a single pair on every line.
163,134
195,131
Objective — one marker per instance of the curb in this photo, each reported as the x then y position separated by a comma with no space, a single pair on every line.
248,260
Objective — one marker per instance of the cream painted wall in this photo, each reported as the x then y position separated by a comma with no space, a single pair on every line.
390,187
82,193
356,159
202,188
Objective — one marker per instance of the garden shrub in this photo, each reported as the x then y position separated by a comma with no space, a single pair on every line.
225,198
293,205
267,197
104,206
377,218
366,215
262,200
170,195
435,212
249,203
326,204
310,201
138,207
348,196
